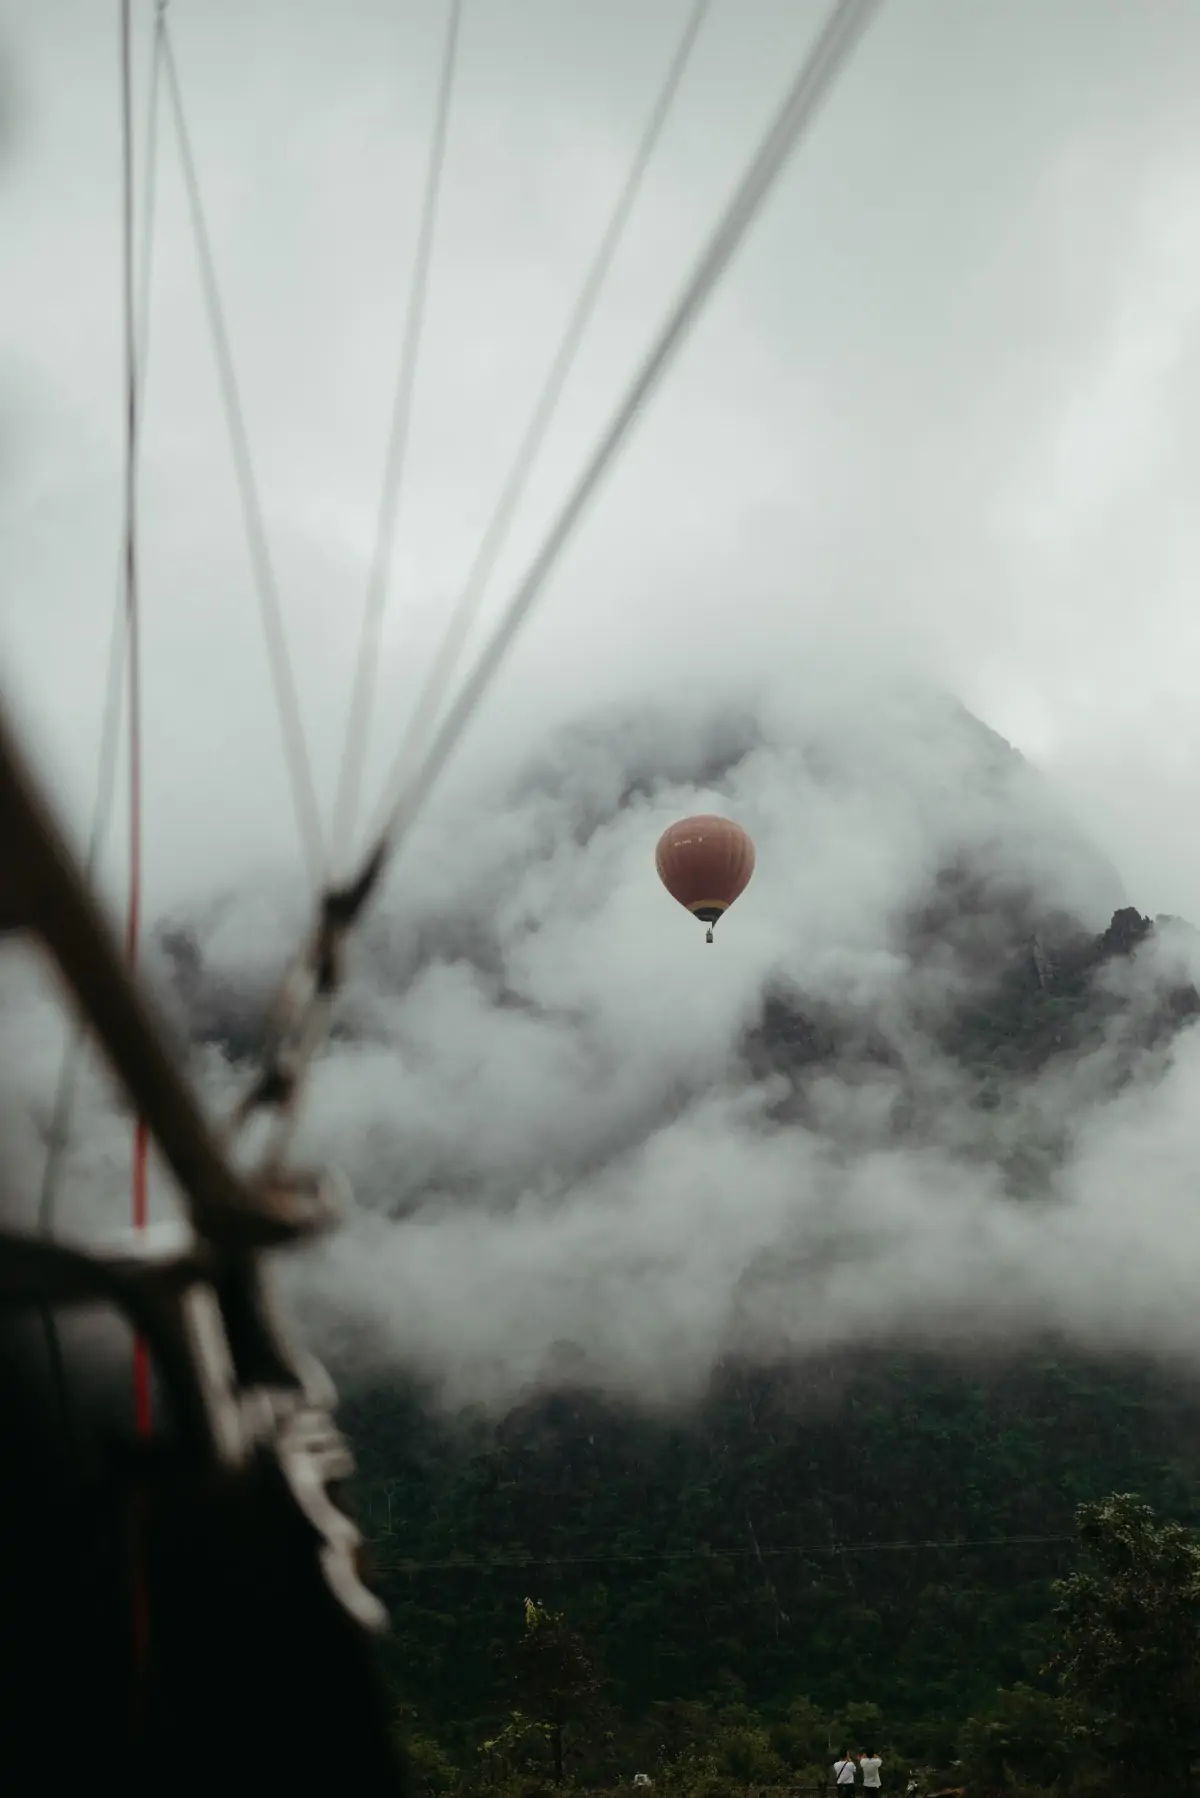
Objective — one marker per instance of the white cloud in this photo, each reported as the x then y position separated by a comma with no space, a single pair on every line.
939,427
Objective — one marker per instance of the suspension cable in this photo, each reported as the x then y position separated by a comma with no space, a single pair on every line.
467,606
307,993
395,462
295,742
833,47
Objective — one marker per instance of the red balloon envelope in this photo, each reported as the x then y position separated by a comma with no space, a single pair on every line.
705,863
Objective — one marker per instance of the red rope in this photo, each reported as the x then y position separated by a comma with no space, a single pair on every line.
141,1355
141,1142
134,919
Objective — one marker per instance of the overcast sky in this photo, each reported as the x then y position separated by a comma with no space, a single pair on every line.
942,421
944,407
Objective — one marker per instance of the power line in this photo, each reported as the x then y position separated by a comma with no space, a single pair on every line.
814,1550
366,674
295,742
466,608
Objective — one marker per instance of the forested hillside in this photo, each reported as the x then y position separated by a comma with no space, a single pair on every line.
778,1544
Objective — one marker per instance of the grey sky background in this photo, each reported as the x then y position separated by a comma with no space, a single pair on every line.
940,423
943,407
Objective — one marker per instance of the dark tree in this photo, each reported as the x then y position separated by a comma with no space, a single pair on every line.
1024,1737
1129,1633
556,1677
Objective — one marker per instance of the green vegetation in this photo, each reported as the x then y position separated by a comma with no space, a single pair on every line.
1128,1641
721,1661
1120,1695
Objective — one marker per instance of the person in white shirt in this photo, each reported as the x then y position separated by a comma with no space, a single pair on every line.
870,1764
843,1771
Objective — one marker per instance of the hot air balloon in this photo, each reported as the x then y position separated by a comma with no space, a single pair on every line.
705,863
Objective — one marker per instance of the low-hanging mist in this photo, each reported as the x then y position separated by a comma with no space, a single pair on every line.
579,1140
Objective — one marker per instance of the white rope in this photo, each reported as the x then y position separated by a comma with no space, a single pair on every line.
833,47
366,674
299,764
307,994
467,606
